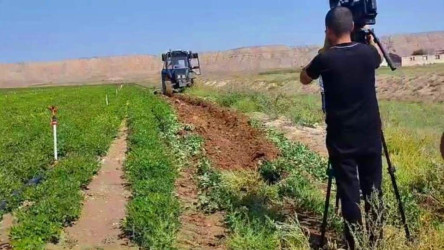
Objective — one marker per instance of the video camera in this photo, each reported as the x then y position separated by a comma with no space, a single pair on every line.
364,13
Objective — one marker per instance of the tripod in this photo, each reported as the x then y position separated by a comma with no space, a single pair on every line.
330,174
391,170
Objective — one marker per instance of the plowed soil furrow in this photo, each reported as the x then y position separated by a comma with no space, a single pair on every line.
104,208
230,142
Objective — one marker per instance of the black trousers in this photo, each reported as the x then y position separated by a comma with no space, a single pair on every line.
355,173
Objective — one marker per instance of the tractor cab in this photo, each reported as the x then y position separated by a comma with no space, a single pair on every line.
177,63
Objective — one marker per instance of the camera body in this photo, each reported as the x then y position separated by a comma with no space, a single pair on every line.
364,11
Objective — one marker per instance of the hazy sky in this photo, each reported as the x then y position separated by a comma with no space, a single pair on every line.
42,30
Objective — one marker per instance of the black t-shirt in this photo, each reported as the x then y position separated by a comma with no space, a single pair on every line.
348,75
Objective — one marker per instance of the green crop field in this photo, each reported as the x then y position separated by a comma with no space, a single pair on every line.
86,128
264,208
87,125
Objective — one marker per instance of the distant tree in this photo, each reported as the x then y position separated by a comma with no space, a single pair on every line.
419,52
390,44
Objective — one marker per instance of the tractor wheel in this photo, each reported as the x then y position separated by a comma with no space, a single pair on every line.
167,88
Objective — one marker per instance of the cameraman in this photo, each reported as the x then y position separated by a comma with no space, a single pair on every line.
352,117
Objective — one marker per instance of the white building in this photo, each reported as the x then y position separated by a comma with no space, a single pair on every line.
422,60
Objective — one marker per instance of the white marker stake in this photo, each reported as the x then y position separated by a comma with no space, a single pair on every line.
53,123
54,129
106,99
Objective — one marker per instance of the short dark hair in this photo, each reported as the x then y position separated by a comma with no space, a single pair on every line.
339,20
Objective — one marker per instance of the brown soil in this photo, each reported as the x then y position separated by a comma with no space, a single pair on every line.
198,230
104,206
230,142
5,225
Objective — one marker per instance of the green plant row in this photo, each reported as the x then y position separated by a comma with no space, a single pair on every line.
152,213
54,204
86,128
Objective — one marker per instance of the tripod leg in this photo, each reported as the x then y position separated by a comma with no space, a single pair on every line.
391,171
337,203
326,206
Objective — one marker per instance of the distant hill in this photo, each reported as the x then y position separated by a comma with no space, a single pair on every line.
256,59
104,69
144,67
405,44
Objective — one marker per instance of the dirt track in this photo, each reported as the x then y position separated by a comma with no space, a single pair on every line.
104,208
5,225
230,142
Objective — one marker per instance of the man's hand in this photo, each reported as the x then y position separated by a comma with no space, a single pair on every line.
326,46
371,42
304,78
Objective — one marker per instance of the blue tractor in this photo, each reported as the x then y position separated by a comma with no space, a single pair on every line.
179,70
